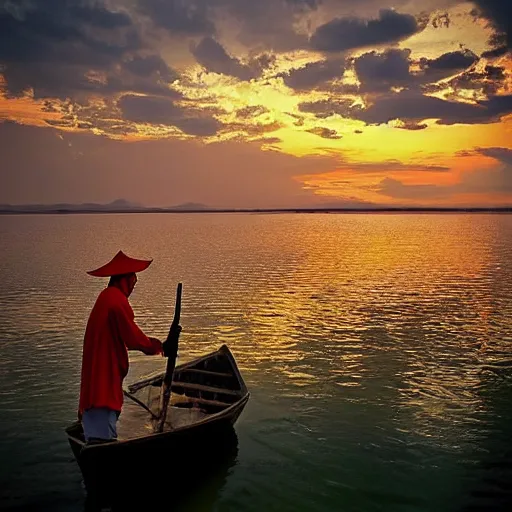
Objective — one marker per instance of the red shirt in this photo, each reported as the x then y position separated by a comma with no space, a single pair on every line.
111,331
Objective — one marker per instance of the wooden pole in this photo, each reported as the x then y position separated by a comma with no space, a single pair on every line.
172,340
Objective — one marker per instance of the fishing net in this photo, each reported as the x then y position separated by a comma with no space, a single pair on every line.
141,408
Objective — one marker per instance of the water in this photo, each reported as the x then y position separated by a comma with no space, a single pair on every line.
375,348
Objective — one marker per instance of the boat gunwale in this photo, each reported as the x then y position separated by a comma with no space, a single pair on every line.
226,412
209,419
224,349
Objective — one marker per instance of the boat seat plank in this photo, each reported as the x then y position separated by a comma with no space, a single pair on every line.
201,387
205,372
204,401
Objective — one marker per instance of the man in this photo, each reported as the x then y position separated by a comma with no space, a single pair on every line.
111,331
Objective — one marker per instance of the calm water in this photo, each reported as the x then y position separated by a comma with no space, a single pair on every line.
375,348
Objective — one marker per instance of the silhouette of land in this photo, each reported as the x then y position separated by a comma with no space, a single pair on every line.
123,206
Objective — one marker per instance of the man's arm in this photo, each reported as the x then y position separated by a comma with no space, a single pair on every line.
131,333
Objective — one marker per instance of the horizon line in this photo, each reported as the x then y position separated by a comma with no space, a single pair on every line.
397,209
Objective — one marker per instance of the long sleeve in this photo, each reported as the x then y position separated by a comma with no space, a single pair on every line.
122,319
111,331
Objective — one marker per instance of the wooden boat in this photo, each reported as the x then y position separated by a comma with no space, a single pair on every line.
208,396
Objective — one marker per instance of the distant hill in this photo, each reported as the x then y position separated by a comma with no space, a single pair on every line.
119,205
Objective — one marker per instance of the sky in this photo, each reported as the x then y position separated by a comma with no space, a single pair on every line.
256,104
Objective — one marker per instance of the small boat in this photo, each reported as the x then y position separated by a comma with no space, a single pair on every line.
208,396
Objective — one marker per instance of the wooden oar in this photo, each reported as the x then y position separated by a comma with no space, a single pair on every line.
172,339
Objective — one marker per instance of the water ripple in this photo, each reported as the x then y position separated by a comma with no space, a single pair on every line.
377,347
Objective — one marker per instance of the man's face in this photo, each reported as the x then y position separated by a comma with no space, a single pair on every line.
130,281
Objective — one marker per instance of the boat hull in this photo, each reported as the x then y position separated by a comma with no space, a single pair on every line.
106,467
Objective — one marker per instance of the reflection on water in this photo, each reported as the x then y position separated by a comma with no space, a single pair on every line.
369,344
189,477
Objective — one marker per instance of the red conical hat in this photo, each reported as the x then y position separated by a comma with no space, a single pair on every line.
120,264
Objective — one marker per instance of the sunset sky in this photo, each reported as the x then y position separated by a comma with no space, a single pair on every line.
256,104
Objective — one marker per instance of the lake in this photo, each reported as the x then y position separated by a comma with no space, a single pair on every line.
377,349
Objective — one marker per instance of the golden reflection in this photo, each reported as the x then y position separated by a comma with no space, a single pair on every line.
352,301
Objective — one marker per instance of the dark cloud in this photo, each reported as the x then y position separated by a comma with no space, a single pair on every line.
305,4
251,112
180,16
69,49
267,24
325,133
504,155
451,61
499,14
213,57
314,74
147,109
411,125
387,166
252,130
198,126
412,106
327,108
493,54
299,120
267,140
63,33
489,81
262,62
381,71
349,33
149,65
163,111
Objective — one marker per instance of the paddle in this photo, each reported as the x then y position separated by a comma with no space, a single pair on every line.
172,340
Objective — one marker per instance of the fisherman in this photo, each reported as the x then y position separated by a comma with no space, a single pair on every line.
111,331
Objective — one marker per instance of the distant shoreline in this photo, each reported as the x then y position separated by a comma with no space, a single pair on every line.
256,210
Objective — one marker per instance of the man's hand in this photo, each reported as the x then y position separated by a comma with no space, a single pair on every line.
170,346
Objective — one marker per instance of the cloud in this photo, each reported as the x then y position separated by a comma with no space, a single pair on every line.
446,65
314,74
489,81
327,108
450,61
499,14
267,140
381,71
267,24
149,65
213,57
413,106
410,125
158,110
387,166
325,133
253,129
503,155
342,34
67,49
251,111
179,17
